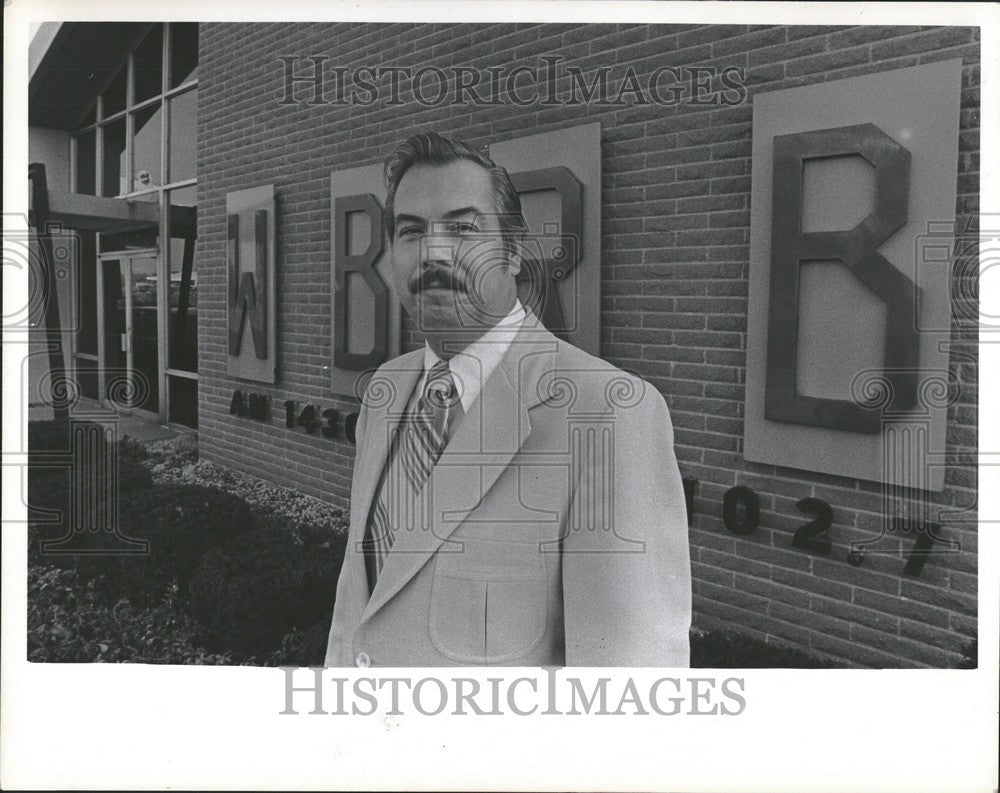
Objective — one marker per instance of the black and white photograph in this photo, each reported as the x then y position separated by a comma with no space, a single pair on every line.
612,362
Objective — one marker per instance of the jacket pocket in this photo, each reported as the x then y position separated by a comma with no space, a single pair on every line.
488,601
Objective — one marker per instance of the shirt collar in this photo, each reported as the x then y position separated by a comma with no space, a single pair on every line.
472,367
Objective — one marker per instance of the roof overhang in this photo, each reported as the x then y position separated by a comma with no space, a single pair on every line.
70,63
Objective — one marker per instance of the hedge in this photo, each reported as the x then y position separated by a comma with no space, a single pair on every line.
69,621
250,592
50,486
180,523
223,582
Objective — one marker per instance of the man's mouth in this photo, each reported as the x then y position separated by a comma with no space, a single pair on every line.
437,279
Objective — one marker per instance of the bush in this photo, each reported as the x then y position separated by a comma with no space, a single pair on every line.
263,586
172,454
69,622
133,472
275,505
53,436
180,523
302,648
253,572
50,486
714,650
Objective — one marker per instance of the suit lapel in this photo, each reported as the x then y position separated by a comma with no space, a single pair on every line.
386,396
481,449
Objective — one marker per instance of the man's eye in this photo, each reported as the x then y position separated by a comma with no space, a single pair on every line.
463,228
407,231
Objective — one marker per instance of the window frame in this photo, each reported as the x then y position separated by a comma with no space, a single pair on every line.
161,191
131,108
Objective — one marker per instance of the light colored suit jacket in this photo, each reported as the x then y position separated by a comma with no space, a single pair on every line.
557,524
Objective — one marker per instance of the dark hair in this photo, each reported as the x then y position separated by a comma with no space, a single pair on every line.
434,149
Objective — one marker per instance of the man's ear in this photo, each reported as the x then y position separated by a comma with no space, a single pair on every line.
515,258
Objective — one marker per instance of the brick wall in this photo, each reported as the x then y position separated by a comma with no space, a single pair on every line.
674,281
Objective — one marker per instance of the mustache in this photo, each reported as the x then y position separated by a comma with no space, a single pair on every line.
437,276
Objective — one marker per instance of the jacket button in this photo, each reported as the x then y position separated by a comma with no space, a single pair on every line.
362,659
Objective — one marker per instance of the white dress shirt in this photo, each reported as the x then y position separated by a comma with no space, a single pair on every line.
472,367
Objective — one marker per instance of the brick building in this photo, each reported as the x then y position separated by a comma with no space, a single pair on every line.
186,115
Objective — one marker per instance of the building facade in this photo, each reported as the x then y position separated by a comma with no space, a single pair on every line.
180,117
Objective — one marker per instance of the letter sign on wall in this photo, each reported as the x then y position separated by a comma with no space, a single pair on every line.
845,369
347,265
857,249
250,284
365,326
558,177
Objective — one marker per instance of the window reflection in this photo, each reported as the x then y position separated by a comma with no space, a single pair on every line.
183,136
149,65
145,329
86,337
86,163
147,143
184,401
147,148
114,158
129,240
114,96
183,53
86,376
114,313
183,296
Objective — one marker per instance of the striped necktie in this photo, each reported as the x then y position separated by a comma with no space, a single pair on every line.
419,440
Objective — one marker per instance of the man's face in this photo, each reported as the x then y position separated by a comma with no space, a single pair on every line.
450,268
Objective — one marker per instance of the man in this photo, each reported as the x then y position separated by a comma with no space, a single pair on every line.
515,500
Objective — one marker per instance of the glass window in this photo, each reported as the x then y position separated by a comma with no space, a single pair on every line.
86,377
113,183
183,298
149,65
183,53
183,401
184,196
86,163
146,148
115,318
114,95
86,278
145,330
130,240
183,136
90,118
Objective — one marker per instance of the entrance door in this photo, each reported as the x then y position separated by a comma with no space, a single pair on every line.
131,331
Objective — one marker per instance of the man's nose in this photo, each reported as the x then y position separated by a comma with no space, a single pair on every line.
438,249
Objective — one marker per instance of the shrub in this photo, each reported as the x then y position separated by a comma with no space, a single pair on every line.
173,453
50,487
275,505
69,622
180,523
302,648
266,584
133,473
53,436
